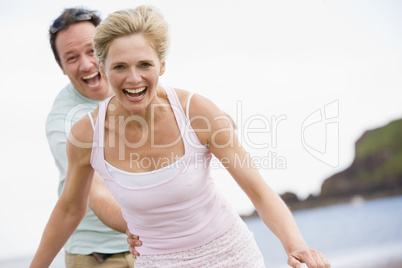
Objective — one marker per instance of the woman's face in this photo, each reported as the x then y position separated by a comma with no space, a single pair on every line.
132,68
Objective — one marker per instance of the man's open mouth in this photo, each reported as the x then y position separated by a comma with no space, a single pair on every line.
93,79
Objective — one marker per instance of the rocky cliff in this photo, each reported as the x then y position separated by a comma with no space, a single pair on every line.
377,166
376,170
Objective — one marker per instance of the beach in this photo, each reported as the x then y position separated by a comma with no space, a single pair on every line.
352,235
393,262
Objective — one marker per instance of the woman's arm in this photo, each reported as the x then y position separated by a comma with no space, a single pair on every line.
223,143
70,208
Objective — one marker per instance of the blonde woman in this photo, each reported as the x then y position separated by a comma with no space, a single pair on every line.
152,145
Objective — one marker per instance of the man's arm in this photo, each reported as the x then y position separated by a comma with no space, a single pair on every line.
105,206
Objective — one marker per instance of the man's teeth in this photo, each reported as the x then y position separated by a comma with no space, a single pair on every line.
134,91
91,75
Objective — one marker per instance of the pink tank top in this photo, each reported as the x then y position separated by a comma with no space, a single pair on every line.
182,211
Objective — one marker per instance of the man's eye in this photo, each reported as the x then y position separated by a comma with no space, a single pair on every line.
71,59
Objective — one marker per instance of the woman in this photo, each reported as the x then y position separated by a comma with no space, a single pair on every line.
152,145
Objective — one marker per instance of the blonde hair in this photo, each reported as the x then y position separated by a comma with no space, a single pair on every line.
146,20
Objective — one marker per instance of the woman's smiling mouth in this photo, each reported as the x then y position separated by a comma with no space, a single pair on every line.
135,94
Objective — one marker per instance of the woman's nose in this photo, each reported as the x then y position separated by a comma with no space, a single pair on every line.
133,76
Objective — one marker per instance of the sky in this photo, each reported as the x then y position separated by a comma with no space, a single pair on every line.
302,79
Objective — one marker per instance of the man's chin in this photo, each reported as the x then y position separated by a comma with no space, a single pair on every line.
98,91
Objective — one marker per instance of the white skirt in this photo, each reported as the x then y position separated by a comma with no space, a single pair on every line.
236,248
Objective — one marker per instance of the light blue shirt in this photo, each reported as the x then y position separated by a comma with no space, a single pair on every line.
91,235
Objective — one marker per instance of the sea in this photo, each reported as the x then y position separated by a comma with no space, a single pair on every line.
352,235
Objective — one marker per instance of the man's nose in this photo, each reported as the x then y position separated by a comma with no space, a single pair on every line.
87,63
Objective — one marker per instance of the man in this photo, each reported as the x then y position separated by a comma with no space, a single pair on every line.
94,243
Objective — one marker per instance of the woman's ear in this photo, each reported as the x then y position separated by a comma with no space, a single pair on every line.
162,70
102,70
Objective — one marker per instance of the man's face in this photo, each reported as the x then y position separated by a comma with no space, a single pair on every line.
74,46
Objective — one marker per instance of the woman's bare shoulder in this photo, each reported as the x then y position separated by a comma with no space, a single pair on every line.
199,105
183,96
81,134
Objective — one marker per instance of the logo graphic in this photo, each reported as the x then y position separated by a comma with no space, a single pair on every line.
320,134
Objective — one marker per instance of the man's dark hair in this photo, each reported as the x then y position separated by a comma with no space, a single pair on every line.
67,18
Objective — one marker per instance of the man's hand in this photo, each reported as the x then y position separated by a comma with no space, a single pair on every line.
133,241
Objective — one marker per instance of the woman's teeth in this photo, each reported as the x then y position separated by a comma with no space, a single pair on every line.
135,93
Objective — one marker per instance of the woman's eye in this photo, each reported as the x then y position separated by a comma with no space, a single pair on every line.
118,67
145,65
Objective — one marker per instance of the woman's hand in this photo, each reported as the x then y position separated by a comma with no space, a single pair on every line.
133,241
311,257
